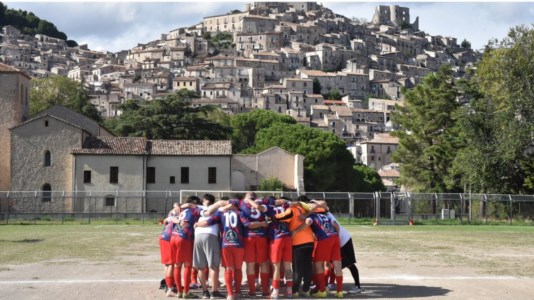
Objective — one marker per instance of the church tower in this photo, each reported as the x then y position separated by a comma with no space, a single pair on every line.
14,109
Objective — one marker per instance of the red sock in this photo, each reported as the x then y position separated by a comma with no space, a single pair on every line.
169,281
265,282
339,281
289,283
238,276
276,284
319,281
332,278
251,283
282,274
178,278
187,278
194,276
229,280
327,273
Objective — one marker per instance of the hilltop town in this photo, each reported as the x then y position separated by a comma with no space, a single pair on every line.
289,57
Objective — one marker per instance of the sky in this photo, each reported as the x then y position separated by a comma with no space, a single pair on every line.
116,26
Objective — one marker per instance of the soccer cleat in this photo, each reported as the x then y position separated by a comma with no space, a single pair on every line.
304,294
179,295
170,292
206,294
331,287
339,295
289,293
322,294
265,294
194,286
217,295
190,296
355,290
274,295
251,295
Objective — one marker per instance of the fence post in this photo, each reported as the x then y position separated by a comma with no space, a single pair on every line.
34,207
392,207
485,200
410,209
377,207
8,208
351,207
511,208
63,214
462,204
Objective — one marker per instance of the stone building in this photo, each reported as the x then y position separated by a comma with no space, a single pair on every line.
14,108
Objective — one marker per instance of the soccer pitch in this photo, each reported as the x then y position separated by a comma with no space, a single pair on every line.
122,261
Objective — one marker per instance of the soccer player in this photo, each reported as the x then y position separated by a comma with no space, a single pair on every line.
256,245
233,225
303,241
327,249
280,243
182,247
207,251
348,258
165,250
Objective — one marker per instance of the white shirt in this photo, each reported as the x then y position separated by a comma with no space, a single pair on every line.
212,229
344,235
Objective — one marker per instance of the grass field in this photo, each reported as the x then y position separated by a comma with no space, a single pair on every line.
443,257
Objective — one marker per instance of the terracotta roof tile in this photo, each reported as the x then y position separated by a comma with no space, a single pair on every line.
142,146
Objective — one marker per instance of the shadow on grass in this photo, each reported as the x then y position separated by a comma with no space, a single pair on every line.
29,241
392,291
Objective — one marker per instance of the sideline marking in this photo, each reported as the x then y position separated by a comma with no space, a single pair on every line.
392,277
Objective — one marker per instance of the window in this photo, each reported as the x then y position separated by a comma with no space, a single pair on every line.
212,175
109,200
184,176
172,180
46,192
150,175
113,174
86,176
46,123
47,159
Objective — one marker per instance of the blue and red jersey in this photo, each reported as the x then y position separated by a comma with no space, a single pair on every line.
233,227
253,215
277,230
322,226
187,218
168,228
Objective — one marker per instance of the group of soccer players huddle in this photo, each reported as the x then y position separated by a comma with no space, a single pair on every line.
275,238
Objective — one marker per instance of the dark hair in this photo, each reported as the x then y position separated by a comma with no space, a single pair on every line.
303,198
210,198
193,199
238,196
285,198
225,198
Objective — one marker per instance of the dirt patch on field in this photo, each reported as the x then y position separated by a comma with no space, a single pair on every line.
393,264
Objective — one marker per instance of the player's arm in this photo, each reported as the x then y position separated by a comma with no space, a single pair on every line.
210,221
253,225
188,205
213,208
301,227
284,216
255,205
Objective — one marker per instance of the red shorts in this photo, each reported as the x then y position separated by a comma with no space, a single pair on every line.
181,250
256,250
165,252
327,250
233,257
282,250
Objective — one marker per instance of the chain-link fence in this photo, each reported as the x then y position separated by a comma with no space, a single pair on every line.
377,208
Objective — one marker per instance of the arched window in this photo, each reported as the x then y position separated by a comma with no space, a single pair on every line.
47,159
46,192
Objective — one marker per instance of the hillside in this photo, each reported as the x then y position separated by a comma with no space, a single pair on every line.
30,24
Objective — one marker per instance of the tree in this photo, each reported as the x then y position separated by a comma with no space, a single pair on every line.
465,44
317,86
50,91
169,118
272,184
498,124
367,179
328,165
427,135
245,126
333,95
